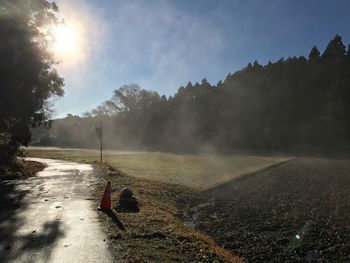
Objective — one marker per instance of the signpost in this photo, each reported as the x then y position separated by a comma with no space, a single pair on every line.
99,133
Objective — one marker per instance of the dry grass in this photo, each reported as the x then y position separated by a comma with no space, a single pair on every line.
157,232
196,171
20,170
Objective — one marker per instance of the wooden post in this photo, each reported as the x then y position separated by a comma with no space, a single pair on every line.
99,133
101,144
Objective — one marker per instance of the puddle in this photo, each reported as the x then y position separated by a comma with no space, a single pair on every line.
59,167
192,221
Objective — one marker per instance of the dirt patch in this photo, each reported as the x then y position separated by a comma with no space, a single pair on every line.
296,212
157,232
20,170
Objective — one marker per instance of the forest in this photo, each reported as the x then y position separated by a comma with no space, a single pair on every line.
296,105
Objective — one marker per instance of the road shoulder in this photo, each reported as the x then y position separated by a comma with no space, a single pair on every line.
157,233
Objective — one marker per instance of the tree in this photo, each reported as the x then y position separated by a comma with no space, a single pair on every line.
27,74
314,54
336,104
219,84
126,98
335,48
189,85
256,65
107,108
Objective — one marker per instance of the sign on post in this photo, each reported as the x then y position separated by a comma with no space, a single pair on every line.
99,133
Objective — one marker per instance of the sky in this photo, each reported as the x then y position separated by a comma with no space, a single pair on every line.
163,44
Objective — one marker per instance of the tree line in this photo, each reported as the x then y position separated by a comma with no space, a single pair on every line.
296,105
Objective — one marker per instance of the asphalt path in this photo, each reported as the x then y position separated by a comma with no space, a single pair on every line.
51,217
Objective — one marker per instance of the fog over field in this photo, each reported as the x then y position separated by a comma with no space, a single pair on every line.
196,171
178,131
296,105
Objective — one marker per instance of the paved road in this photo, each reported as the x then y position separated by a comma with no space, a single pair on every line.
51,217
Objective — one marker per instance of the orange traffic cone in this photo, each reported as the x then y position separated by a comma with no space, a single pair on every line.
106,203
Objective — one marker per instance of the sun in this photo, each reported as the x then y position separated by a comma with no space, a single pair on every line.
65,43
64,39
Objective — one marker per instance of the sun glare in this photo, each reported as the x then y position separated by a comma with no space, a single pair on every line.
65,39
65,43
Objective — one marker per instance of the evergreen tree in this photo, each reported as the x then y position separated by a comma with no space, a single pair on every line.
336,103
348,52
219,84
314,54
256,65
335,48
189,85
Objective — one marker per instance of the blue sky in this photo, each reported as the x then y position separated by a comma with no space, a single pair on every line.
163,44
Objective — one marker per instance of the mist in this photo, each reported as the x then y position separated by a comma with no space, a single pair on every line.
295,105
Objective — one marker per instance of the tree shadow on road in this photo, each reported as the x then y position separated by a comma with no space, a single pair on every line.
13,244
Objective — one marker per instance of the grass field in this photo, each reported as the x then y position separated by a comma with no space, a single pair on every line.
196,171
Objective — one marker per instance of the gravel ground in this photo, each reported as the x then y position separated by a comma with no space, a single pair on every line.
298,211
